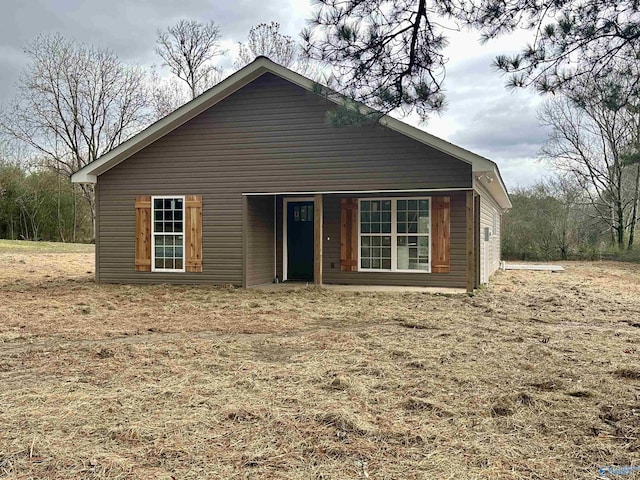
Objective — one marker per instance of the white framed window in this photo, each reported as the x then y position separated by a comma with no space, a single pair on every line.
167,233
394,234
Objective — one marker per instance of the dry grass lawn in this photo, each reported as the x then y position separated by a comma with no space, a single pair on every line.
535,377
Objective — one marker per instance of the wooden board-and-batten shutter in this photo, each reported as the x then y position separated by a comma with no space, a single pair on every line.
440,234
349,235
193,231
143,233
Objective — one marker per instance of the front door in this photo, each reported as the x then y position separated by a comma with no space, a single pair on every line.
300,241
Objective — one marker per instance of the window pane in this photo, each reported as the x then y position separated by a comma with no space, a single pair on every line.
376,251
303,214
386,205
365,206
178,205
423,205
159,263
157,203
402,204
365,228
178,263
423,246
158,227
177,226
412,204
413,227
375,228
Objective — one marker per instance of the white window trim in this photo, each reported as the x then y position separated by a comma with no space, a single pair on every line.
153,235
285,248
394,236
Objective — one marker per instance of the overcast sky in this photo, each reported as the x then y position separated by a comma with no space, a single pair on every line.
482,115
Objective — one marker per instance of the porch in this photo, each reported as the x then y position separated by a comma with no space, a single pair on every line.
318,238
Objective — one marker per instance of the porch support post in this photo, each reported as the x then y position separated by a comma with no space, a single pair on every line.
245,239
471,251
317,239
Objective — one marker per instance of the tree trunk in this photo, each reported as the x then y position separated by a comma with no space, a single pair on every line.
620,227
634,211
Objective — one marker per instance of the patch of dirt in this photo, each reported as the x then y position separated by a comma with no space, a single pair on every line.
535,376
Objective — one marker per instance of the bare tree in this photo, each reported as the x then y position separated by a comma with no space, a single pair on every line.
591,131
265,39
188,49
74,104
166,95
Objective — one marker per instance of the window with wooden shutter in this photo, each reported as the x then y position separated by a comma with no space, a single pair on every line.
349,235
168,233
143,233
193,214
441,234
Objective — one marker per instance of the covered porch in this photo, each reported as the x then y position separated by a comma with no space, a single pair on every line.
323,238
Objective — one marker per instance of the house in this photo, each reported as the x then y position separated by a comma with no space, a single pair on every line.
249,183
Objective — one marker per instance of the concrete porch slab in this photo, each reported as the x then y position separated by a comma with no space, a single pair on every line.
534,267
290,286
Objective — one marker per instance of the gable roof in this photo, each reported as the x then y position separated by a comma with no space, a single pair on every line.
88,174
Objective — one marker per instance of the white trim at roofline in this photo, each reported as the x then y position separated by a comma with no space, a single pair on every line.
234,82
339,192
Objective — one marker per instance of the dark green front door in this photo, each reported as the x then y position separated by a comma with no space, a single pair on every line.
300,241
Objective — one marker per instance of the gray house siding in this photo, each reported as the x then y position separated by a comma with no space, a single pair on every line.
259,240
490,250
270,136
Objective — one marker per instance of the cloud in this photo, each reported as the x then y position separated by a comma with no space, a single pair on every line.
129,27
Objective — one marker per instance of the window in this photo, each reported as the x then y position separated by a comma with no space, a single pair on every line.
303,213
168,234
395,234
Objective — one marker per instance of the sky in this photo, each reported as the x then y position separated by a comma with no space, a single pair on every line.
482,115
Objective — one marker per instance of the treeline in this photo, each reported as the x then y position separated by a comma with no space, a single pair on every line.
554,219
41,204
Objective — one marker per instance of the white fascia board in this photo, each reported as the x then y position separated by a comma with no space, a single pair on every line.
490,181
